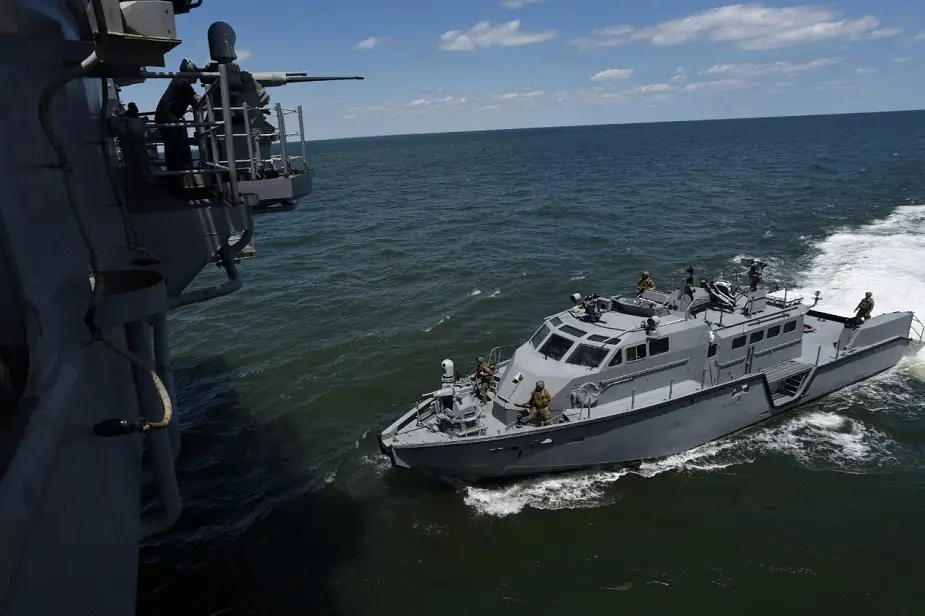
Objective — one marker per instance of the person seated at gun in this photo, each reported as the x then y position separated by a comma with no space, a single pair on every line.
538,404
175,102
645,283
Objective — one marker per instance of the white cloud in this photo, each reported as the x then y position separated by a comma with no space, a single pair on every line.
865,70
719,84
655,87
605,37
444,101
884,33
785,68
920,36
516,4
370,42
903,59
243,54
750,27
483,34
511,96
613,73
678,78
488,107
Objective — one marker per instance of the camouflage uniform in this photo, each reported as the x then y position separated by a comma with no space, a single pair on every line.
865,307
645,283
539,403
483,378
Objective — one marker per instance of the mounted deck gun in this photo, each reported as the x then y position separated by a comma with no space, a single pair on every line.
276,178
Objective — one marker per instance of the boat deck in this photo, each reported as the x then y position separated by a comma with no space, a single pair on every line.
818,348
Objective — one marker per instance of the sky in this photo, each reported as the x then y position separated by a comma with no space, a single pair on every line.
454,65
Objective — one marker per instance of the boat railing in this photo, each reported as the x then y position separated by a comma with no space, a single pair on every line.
214,138
917,329
206,135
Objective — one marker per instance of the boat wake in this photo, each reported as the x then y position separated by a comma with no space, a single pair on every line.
879,257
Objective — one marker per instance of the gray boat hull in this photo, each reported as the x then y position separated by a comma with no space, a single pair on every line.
656,431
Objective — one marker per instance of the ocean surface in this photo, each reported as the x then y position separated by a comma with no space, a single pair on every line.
413,249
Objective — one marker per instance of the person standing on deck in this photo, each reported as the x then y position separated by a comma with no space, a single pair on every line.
865,307
175,102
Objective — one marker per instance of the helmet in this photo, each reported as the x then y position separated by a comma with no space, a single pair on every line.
540,384
868,294
646,273
480,359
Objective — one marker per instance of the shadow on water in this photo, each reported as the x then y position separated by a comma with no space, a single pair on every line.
261,529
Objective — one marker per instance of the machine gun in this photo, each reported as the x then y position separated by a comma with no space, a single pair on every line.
253,134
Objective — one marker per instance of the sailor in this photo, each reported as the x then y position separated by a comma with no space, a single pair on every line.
645,283
131,111
539,403
484,375
174,103
865,307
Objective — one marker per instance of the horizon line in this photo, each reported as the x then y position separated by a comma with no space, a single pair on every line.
546,127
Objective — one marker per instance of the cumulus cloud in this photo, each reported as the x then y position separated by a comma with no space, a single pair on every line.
370,43
243,54
749,27
613,73
483,34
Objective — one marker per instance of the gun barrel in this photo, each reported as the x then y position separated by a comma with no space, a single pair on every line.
269,80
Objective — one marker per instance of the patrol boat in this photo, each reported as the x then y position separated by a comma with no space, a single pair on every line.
645,376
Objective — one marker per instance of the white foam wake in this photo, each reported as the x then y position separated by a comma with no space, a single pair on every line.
881,257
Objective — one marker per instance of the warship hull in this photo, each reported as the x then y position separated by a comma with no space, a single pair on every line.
671,426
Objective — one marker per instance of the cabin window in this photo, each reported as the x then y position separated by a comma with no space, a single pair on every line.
574,331
587,356
556,347
711,350
598,338
738,343
635,353
789,326
555,321
617,358
658,346
539,336
773,331
614,340
757,336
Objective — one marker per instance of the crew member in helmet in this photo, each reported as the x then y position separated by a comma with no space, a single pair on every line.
865,307
175,102
484,375
538,404
645,283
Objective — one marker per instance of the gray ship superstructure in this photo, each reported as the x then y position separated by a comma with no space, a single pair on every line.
645,376
97,249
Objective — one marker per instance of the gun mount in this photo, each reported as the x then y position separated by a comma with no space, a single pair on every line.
277,178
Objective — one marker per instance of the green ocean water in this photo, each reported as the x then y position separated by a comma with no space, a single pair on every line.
417,248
